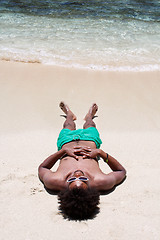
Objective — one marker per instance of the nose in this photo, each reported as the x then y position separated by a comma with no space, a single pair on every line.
78,184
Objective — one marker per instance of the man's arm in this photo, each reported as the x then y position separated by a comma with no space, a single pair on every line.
117,176
108,180
44,171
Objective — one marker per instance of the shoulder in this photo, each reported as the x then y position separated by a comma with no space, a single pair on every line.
54,183
52,180
108,181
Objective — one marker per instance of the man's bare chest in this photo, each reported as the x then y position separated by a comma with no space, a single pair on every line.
69,165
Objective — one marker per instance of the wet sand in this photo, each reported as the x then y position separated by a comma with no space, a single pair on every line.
129,125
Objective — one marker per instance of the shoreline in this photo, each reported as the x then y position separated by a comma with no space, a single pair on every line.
108,68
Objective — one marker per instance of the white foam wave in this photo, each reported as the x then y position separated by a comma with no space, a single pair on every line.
21,55
109,68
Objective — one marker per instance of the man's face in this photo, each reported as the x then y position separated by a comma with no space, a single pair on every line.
78,183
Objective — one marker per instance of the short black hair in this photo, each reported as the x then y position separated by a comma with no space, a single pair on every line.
79,203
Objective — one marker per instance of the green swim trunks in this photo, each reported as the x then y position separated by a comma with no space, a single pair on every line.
88,134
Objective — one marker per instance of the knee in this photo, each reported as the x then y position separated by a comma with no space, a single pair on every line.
91,124
69,126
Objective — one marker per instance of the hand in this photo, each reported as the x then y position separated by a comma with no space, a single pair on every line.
70,152
86,152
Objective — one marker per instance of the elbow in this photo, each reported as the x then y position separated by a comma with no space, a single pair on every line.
124,176
122,170
40,173
125,172
39,169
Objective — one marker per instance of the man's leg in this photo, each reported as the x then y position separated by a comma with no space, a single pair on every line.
89,117
70,117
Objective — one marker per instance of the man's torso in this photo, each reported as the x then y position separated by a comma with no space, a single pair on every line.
68,165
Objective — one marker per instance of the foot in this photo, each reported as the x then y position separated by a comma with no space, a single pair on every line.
92,112
66,110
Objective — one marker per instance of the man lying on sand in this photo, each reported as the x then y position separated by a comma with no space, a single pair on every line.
79,177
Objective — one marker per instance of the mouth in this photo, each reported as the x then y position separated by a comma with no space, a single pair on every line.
79,171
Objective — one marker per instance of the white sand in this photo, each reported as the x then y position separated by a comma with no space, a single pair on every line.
129,125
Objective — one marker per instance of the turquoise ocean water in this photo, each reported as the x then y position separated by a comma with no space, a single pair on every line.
110,35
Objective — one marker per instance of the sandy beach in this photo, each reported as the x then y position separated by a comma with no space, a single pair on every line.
129,125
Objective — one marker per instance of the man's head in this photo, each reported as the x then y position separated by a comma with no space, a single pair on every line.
79,203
